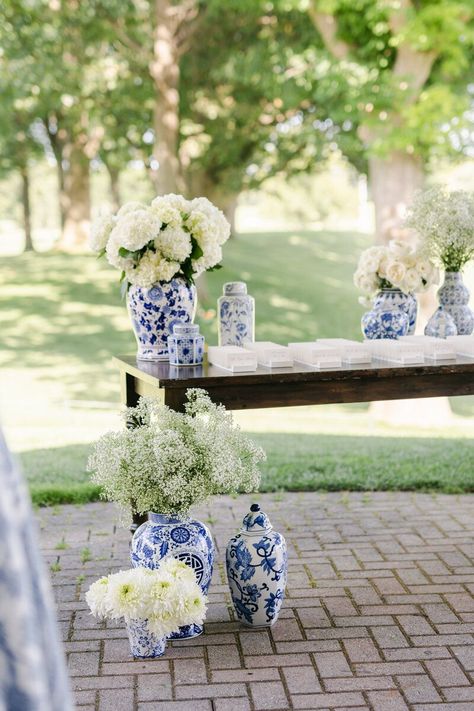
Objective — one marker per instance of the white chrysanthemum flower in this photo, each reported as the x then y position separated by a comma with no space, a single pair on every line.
131,207
152,268
96,597
174,243
136,229
100,232
126,594
177,570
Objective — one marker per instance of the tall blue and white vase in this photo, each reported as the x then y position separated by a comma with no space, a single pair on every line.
236,315
155,311
393,315
257,567
187,540
454,298
143,643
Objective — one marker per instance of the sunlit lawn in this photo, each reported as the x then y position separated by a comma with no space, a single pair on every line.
62,320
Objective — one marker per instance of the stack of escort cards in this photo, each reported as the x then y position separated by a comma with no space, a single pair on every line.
270,355
436,349
396,351
317,355
233,358
463,345
351,352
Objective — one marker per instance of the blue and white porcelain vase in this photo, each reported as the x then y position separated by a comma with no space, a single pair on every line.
441,324
257,565
454,298
393,315
236,315
186,345
143,643
154,312
186,540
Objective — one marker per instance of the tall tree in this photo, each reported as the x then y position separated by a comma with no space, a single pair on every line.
410,63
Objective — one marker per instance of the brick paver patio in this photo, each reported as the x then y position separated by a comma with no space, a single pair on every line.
379,611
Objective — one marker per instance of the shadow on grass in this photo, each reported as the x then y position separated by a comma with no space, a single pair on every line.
296,462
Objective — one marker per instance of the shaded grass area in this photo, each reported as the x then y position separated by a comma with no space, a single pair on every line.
295,463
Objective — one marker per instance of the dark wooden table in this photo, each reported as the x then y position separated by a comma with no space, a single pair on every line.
300,385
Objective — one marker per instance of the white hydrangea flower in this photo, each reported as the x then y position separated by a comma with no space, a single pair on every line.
112,252
100,232
178,202
174,243
135,229
167,212
152,268
131,207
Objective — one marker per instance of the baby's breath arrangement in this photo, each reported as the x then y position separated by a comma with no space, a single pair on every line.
170,460
167,598
445,220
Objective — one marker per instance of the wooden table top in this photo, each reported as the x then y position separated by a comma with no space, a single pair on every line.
301,384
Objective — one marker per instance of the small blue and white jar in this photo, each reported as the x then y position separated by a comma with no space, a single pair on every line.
257,567
186,345
393,315
441,324
155,311
236,314
183,539
454,298
143,643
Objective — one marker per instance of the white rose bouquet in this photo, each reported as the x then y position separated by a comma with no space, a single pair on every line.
167,461
395,266
446,223
167,598
171,237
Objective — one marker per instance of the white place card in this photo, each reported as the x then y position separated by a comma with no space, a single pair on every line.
233,358
316,355
437,349
352,352
395,351
463,345
270,355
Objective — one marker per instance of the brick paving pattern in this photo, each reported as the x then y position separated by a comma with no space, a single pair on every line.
379,612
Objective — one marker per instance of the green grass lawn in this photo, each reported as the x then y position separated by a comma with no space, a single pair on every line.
63,320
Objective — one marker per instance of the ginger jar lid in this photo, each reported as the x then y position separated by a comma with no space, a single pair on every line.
186,329
232,288
256,521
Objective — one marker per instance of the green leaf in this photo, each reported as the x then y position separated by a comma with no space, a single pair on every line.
215,268
196,249
101,253
125,253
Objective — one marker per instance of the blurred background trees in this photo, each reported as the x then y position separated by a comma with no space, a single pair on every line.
218,97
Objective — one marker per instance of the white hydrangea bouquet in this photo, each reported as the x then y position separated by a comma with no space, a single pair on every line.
154,243
166,461
397,265
445,221
153,603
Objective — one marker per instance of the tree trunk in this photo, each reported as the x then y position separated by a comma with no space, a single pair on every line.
76,199
165,72
25,199
393,182
202,185
114,175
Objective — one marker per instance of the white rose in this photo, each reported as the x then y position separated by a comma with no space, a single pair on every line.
412,281
399,248
396,271
100,232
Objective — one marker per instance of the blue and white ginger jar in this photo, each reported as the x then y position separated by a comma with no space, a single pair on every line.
186,345
257,564
441,324
155,311
393,315
236,314
454,298
186,540
143,643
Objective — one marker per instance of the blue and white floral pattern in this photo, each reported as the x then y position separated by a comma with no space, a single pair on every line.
256,571
186,345
441,324
186,540
143,643
32,664
236,313
155,311
454,298
393,315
